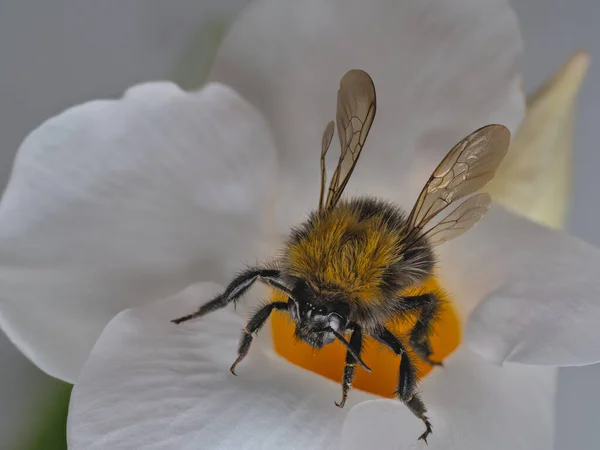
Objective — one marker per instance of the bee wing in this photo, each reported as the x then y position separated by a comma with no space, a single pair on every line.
460,220
355,113
468,167
326,142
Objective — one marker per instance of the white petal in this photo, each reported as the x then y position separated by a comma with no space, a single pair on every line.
117,202
442,68
472,405
154,385
541,291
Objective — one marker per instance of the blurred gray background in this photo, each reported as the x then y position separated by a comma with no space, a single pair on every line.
56,53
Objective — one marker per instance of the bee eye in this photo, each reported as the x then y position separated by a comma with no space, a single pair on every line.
335,321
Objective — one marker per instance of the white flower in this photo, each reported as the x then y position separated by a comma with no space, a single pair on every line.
123,203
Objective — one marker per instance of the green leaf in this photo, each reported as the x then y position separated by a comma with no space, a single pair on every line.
197,58
49,428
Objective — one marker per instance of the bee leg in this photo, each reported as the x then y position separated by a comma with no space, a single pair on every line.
429,305
253,327
350,369
417,407
407,379
236,289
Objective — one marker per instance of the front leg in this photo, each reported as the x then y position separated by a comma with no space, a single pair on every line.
254,326
237,288
350,368
407,379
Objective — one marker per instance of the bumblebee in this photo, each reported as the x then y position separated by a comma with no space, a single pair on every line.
344,270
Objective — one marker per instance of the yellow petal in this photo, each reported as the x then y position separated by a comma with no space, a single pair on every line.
535,178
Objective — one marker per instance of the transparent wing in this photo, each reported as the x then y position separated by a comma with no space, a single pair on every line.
460,220
468,167
326,142
355,113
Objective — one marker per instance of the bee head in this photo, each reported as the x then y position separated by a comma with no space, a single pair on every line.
317,317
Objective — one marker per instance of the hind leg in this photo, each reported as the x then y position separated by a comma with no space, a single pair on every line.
407,379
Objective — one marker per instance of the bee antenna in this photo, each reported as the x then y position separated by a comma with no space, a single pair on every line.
356,356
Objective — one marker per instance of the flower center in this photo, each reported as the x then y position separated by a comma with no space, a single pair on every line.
383,380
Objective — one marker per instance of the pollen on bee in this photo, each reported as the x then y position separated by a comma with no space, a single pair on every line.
329,361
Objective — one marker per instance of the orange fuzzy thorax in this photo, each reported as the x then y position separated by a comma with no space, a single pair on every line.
346,254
